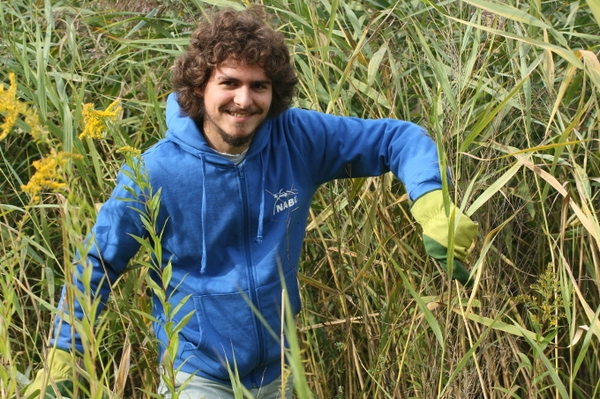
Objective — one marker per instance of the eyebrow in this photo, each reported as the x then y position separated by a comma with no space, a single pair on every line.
253,82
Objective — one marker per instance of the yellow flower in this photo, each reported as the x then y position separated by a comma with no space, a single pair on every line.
48,175
128,150
11,107
96,121
32,119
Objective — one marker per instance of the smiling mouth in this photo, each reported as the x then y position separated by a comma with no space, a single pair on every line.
240,114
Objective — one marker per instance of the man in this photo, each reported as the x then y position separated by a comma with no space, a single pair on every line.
236,172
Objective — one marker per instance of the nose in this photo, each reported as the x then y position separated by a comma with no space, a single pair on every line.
243,97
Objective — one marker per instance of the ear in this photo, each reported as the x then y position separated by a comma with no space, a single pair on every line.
198,92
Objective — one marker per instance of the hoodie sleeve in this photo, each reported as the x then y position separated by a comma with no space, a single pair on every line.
340,147
110,245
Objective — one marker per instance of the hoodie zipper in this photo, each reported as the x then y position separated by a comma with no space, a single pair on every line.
252,283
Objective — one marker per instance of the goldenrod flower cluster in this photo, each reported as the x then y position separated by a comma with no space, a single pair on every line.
96,122
129,150
11,107
545,308
48,176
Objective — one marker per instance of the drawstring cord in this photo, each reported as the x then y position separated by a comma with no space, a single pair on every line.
203,213
261,213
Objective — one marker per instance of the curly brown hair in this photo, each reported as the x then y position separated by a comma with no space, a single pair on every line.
243,36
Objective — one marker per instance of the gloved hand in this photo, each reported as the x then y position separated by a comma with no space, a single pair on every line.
429,211
60,373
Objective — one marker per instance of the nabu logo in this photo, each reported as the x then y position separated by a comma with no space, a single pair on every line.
284,199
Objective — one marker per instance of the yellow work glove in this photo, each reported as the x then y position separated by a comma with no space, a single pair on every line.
57,381
429,211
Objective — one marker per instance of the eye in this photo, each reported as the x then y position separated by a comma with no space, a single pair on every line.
260,86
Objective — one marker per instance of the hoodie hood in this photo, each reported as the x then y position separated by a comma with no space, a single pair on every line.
184,131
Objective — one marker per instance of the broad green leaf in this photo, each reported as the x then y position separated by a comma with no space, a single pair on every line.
595,7
375,63
513,329
591,65
493,189
373,94
509,12
565,53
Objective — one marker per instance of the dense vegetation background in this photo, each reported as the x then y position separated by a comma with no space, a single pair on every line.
510,91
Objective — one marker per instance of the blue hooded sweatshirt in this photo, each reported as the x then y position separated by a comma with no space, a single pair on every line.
229,229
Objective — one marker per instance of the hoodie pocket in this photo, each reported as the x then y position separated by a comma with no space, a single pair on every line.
271,296
225,334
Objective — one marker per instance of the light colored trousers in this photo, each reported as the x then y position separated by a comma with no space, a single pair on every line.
202,388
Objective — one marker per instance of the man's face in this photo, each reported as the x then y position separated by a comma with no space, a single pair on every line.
237,98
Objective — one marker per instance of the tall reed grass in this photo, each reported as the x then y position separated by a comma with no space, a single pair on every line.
509,90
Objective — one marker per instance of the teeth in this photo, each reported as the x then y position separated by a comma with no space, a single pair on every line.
237,114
